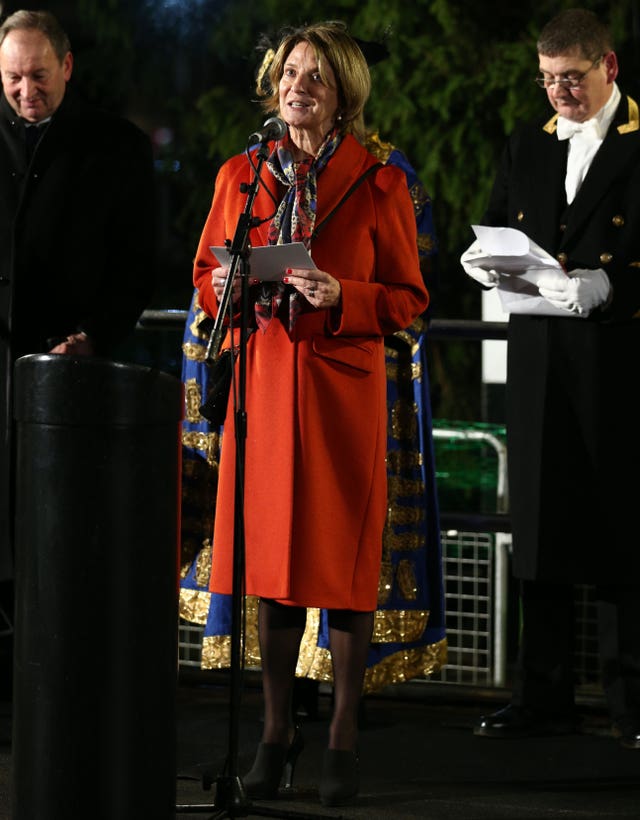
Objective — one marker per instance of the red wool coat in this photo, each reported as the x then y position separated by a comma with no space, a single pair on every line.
315,478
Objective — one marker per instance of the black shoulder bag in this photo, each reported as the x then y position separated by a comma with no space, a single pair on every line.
358,182
214,407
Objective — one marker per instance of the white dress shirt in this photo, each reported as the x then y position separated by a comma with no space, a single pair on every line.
584,140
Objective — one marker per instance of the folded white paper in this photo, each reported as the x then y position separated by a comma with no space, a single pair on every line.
520,262
509,250
269,262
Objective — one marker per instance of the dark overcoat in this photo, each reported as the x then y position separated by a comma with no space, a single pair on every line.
77,243
572,406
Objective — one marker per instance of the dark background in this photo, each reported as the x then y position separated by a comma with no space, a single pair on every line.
458,76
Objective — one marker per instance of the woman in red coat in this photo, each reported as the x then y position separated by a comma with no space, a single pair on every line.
316,439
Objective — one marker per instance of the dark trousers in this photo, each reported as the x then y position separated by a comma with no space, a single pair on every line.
544,679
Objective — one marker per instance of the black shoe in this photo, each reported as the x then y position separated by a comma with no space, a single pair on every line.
272,762
517,721
628,735
340,782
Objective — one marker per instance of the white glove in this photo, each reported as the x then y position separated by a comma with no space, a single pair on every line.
579,292
487,278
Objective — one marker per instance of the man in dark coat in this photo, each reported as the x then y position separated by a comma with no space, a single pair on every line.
77,224
571,184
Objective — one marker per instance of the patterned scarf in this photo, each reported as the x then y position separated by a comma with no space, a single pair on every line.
294,220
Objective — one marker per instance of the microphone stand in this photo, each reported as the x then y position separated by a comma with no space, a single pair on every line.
231,799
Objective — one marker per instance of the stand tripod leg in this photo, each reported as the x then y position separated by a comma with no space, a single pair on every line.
254,811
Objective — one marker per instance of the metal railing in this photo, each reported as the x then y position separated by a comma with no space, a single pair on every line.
171,318
465,329
465,526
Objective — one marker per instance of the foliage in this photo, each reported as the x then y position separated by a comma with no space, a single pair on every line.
458,77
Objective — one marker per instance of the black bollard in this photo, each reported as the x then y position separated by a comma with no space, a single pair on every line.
95,658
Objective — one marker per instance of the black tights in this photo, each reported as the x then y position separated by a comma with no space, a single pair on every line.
280,629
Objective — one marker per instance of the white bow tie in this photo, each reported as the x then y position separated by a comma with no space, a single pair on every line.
589,129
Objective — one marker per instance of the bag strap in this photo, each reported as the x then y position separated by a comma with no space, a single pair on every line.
358,181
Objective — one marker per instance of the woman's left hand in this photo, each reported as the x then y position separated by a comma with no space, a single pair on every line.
317,286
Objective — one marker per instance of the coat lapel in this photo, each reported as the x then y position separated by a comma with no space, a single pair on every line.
548,162
618,151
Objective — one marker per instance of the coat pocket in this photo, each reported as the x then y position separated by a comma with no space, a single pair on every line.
356,353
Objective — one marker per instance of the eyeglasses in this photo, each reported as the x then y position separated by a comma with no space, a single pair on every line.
571,81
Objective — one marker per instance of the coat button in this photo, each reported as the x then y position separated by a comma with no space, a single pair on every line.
618,221
605,258
563,228
520,216
562,258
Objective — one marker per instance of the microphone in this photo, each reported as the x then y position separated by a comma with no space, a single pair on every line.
273,129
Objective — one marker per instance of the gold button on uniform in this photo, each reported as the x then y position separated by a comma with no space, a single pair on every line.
520,216
605,258
618,221
562,258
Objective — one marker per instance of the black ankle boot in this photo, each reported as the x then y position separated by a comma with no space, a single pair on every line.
340,780
273,761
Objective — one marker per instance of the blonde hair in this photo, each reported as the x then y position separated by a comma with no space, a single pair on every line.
333,46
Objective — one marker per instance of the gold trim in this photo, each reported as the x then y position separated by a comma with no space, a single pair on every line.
399,625
400,460
426,243
194,352
402,666
203,564
405,487
403,516
216,649
402,420
407,581
207,443
308,646
194,605
192,401
551,126
385,582
404,541
633,123
314,662
419,197
380,150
